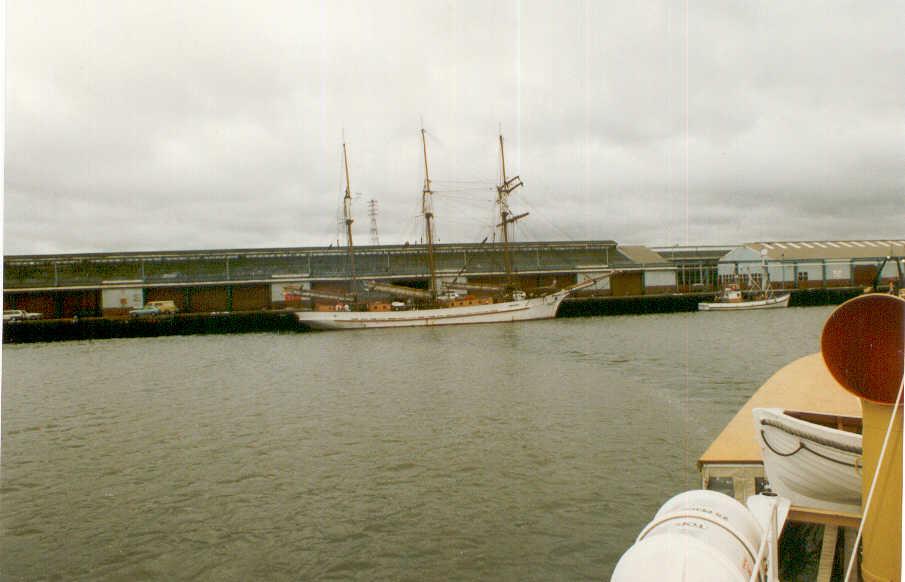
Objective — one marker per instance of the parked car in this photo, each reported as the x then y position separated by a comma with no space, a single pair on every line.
165,307
155,308
19,314
146,310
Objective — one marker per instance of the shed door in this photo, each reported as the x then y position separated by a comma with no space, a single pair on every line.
627,284
864,275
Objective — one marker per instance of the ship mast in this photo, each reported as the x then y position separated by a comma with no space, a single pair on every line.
505,188
765,288
427,210
347,215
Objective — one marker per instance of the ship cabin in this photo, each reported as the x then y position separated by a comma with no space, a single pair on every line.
731,294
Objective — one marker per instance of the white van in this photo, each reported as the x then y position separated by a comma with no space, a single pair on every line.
163,306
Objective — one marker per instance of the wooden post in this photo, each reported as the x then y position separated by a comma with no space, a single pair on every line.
827,553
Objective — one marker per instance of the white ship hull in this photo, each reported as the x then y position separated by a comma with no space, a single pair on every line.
523,310
771,303
810,464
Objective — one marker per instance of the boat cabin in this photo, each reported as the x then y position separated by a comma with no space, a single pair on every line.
731,294
469,300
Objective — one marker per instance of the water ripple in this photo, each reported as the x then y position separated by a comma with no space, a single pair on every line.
530,451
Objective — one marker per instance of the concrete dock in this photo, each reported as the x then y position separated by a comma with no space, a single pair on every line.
94,328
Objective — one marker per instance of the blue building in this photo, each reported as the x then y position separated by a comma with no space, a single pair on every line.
809,264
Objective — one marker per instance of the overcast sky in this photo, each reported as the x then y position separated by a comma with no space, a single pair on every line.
191,125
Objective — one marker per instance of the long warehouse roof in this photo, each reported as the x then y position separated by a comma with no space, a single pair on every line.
219,254
843,249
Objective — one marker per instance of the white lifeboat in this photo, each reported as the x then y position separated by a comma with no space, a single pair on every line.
698,536
813,465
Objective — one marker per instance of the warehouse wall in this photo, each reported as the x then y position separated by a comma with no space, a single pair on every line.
659,282
623,284
208,299
601,286
118,302
251,297
43,303
178,295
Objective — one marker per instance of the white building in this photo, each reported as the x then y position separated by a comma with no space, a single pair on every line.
806,264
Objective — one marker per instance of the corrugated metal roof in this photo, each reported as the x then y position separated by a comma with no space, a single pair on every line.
840,249
641,255
294,252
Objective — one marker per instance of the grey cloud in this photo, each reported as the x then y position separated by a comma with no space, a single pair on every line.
169,125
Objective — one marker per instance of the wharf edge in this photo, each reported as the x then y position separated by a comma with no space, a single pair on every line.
95,328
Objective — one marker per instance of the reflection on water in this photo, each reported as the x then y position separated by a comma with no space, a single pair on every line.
523,451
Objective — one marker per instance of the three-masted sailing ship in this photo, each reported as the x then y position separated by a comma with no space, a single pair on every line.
433,307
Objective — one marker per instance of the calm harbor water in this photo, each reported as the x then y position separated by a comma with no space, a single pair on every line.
532,451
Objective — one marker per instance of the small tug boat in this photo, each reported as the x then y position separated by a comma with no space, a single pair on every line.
733,299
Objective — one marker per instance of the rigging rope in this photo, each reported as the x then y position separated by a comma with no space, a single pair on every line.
804,447
544,217
813,438
487,183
